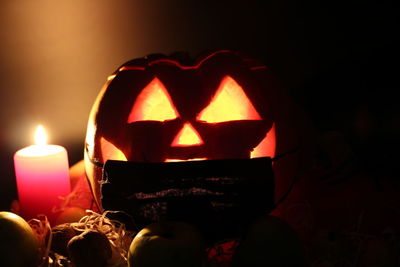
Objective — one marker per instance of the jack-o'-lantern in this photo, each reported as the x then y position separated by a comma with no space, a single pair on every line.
166,109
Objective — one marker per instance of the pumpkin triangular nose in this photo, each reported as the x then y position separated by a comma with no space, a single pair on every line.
187,136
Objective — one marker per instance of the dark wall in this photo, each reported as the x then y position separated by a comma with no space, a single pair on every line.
338,59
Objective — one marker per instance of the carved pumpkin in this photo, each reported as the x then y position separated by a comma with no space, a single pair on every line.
162,109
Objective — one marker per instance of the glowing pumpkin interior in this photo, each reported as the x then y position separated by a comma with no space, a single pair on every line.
229,103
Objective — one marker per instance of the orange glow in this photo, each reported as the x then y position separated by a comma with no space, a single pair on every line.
187,136
111,77
180,160
229,103
266,148
153,104
111,152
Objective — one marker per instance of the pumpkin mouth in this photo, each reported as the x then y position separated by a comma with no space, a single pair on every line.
188,153
180,160
195,190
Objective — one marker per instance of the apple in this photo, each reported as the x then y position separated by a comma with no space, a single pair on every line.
167,244
269,241
18,244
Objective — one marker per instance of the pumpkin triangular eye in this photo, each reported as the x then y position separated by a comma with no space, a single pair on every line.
153,104
230,103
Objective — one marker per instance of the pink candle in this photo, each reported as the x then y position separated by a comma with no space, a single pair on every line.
42,177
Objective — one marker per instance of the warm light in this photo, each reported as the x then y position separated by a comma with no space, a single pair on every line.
109,78
267,147
187,136
40,136
230,103
180,160
111,152
42,176
153,104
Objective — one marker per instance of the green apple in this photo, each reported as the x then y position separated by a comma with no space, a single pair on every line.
167,244
18,244
269,241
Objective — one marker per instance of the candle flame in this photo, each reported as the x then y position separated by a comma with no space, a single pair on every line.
40,136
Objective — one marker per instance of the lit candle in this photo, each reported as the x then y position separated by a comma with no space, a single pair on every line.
42,177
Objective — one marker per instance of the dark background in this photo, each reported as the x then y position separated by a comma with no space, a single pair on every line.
339,61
